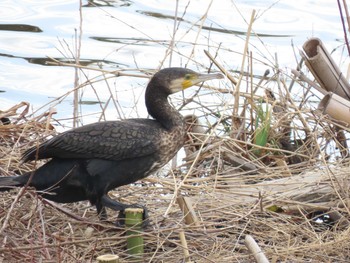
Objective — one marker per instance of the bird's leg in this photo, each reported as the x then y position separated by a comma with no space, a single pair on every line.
112,204
101,211
106,201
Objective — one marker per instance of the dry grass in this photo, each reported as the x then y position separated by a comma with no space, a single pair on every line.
274,192
274,196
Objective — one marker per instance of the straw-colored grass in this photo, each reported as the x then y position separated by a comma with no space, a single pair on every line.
290,193
274,195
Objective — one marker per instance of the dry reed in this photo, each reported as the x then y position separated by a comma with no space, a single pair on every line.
292,201
290,195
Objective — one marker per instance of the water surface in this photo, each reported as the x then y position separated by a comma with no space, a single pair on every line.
137,34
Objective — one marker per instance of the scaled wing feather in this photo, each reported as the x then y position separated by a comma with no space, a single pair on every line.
114,140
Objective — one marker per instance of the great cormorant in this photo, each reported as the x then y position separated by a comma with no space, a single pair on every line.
89,161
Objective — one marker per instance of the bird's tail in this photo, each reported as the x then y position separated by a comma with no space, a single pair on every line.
9,182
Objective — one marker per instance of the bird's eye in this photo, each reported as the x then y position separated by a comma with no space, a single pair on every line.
187,76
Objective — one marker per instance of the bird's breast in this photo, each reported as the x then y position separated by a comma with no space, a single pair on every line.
170,144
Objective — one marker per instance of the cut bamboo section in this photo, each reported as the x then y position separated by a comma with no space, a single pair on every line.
324,68
133,222
108,258
336,107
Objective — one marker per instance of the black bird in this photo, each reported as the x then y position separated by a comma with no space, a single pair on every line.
89,161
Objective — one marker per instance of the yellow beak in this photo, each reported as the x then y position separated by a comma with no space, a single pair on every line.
200,78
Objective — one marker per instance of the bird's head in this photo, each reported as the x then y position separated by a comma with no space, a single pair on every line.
178,79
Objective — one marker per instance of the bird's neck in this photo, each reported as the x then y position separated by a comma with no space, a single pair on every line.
159,108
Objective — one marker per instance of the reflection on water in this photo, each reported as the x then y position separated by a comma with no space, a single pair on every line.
137,34
130,41
160,15
20,27
45,61
101,3
210,28
237,32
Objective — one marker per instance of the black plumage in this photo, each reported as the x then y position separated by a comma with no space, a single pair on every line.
89,161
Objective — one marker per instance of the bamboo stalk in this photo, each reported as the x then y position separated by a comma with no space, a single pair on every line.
324,68
336,107
133,222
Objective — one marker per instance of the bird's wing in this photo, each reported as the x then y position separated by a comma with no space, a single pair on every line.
115,140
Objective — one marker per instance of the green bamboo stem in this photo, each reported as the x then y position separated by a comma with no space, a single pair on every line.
133,223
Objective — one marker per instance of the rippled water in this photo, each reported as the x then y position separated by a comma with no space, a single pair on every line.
136,34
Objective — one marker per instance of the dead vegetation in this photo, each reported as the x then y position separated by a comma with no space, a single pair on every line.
259,161
290,193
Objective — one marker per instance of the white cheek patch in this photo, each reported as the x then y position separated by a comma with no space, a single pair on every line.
176,85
